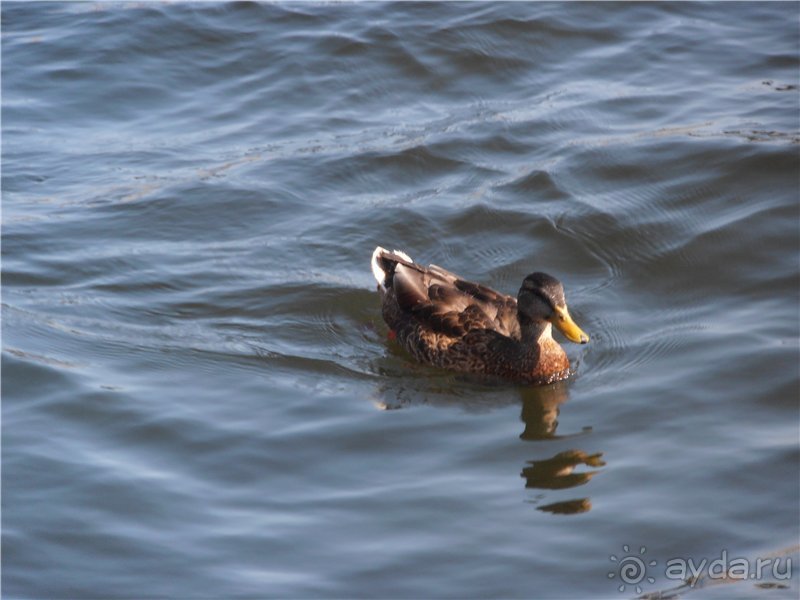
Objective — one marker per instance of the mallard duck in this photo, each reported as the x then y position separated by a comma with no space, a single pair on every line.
455,324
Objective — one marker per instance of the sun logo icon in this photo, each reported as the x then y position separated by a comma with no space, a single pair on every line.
631,569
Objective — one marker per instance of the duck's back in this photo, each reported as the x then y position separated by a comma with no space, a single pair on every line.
439,317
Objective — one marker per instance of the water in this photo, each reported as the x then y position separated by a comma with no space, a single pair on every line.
199,397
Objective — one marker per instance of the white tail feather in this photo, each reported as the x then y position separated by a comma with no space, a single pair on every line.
377,271
379,274
402,254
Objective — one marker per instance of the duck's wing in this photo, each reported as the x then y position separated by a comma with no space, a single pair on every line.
445,303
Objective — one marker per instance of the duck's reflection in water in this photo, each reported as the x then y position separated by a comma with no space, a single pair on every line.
557,473
568,507
540,410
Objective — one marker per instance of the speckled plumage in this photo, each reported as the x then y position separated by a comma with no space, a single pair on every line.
448,322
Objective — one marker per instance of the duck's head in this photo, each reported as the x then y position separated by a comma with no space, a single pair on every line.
541,298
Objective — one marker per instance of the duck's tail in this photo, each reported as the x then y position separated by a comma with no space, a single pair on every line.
384,263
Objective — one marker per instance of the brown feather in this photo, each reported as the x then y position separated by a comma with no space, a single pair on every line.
448,322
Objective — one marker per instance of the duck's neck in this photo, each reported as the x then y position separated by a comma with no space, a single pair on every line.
532,331
543,357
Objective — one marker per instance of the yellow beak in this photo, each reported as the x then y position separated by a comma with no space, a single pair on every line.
567,326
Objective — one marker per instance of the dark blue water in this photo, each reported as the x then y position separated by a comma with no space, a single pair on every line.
199,399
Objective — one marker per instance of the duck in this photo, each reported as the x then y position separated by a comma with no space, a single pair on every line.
448,322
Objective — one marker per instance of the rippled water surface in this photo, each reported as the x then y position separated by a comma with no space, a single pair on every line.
199,396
